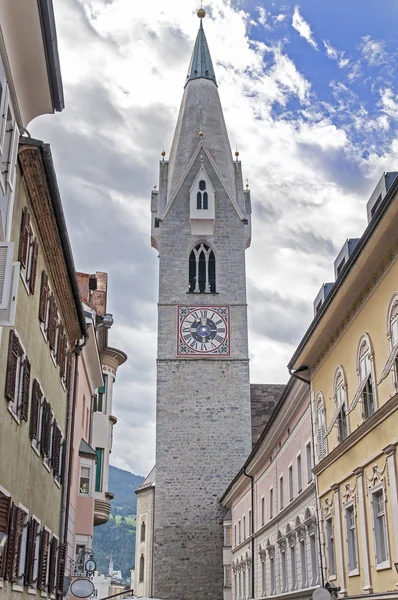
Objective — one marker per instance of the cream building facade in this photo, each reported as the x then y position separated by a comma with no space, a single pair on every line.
349,354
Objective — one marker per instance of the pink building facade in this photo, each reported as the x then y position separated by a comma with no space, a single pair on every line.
271,542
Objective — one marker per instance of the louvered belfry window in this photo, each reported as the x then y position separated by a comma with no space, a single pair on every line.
28,252
17,378
202,270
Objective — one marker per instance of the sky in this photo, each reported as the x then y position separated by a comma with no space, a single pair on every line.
310,98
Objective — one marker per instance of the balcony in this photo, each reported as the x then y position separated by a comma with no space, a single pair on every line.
102,509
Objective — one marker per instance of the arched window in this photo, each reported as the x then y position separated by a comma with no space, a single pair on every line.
340,404
202,270
321,429
143,531
202,198
392,336
142,568
366,391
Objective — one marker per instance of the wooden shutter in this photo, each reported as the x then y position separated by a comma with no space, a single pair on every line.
35,410
5,504
30,552
19,525
62,357
61,569
9,550
56,458
33,269
68,370
43,297
43,558
52,565
52,323
13,353
24,237
44,429
60,345
25,390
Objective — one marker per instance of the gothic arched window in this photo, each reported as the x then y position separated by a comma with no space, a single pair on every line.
142,567
202,270
202,198
143,531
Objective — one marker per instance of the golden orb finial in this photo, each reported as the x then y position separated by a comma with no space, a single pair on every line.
236,154
163,153
201,133
201,13
154,187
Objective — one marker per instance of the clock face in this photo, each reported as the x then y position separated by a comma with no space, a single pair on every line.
203,330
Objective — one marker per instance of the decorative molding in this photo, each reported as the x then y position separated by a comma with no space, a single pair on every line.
366,291
349,495
378,476
327,508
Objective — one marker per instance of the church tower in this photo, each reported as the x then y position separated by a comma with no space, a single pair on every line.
201,227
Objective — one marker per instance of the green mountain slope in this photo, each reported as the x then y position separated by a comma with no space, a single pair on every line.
117,536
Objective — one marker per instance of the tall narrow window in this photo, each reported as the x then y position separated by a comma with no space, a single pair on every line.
262,511
142,568
228,535
380,527
314,561
240,531
340,406
271,503
351,538
303,562
299,475
99,467
244,527
367,394
101,402
263,581
143,531
281,493
272,574
291,492
330,547
202,199
202,270
235,536
321,430
284,571
250,522
85,481
308,451
293,566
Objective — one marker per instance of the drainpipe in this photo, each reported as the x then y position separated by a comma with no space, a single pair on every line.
252,528
293,373
70,420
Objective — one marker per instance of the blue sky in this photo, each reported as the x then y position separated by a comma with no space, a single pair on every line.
310,98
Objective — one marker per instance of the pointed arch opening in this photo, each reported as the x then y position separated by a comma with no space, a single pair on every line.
143,531
202,270
142,568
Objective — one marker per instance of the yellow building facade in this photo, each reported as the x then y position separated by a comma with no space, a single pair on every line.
349,356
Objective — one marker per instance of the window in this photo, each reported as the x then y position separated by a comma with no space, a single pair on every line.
17,378
291,492
299,475
28,251
249,581
42,576
284,571
84,480
321,431
32,553
52,565
143,527
340,267
271,503
240,584
380,527
281,493
308,452
240,531
98,469
330,547
262,511
263,579
366,388
351,538
228,535
235,536
303,562
272,574
9,136
340,406
244,583
202,199
244,527
235,596
250,522
314,562
142,568
101,400
392,335
227,576
293,566
202,270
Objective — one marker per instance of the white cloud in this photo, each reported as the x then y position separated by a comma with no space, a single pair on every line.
389,102
303,28
337,55
373,51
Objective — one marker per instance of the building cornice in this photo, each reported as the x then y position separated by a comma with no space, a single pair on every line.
363,430
112,358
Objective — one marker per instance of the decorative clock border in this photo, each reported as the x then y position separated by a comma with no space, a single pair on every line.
224,349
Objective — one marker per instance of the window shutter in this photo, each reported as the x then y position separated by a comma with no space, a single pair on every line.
13,353
60,344
69,370
43,297
52,566
61,569
43,559
52,323
44,429
63,462
9,550
56,449
5,504
30,552
6,254
24,237
34,410
33,270
19,524
62,356
25,391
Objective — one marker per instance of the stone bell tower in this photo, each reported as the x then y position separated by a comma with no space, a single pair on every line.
201,227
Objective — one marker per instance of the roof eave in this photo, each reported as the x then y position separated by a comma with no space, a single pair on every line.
47,19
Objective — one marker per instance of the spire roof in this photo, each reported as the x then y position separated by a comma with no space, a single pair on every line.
201,66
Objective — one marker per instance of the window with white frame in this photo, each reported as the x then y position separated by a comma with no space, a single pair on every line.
330,547
314,560
293,566
240,531
366,391
263,577
235,536
299,475
291,488
249,581
284,570
262,510
303,563
227,535
24,516
380,527
272,574
392,335
321,428
28,251
250,522
271,503
351,533
244,583
340,406
244,527
17,382
235,584
308,453
281,493
240,584
85,480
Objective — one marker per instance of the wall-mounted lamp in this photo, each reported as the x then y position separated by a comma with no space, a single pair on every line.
107,321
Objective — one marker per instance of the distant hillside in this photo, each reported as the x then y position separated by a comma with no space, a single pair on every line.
117,536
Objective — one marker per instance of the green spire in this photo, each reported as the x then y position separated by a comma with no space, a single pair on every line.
201,66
